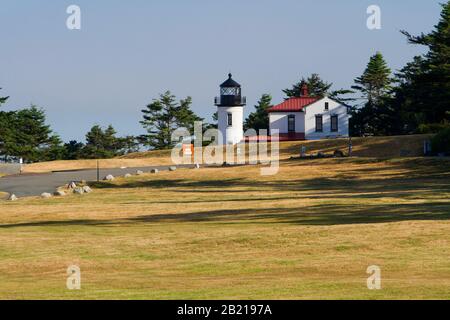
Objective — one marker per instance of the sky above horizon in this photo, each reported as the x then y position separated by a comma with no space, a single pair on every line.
128,52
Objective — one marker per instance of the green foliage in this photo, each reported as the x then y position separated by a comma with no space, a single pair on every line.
259,119
433,127
425,88
316,88
104,144
375,82
25,134
3,99
73,150
440,143
163,116
377,116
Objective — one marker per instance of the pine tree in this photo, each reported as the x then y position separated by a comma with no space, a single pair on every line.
376,114
73,150
317,88
3,99
28,135
163,116
375,83
260,118
101,143
428,89
4,127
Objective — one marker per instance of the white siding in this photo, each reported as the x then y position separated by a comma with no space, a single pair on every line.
235,133
318,108
279,121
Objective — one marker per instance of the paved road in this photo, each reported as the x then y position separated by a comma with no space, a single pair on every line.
36,184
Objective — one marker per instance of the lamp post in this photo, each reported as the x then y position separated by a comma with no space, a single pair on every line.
350,146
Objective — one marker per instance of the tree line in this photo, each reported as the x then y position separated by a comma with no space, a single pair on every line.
415,99
25,134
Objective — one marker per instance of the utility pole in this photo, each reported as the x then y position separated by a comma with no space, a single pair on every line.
98,171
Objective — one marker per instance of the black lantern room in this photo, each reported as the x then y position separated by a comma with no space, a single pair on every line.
230,94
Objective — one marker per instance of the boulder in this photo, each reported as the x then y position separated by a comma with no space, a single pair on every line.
109,177
59,193
154,171
72,185
87,189
78,190
139,172
46,195
127,175
13,197
172,168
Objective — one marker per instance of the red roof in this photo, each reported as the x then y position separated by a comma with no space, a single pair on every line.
294,104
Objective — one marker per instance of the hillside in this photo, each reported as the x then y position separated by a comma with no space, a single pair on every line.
375,147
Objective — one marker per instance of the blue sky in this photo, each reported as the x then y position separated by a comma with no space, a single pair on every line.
128,52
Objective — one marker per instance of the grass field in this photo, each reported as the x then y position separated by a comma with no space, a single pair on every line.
308,232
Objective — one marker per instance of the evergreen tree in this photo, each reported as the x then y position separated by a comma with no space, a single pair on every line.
375,83
25,134
260,118
3,99
377,115
73,150
317,88
427,89
101,143
163,116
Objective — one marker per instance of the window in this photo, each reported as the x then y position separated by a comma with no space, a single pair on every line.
319,123
327,106
334,123
230,119
229,91
291,123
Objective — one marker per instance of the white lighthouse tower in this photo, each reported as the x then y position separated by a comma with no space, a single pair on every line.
230,111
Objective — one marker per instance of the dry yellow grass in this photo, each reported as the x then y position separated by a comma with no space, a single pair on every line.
89,164
379,147
308,232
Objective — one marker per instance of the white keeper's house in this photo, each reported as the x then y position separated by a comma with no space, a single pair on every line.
309,118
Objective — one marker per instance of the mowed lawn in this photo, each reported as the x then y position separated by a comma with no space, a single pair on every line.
310,231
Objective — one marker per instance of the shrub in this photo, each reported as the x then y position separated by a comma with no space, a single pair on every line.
440,143
433,127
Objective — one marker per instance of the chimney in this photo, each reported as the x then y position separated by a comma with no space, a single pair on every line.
304,90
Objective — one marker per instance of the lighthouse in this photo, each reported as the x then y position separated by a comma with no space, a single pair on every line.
230,111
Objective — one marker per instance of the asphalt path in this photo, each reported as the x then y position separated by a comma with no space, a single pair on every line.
25,185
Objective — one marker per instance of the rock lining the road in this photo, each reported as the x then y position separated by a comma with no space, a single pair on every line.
12,197
109,177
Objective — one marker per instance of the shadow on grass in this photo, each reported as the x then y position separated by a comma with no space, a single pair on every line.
420,180
325,214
